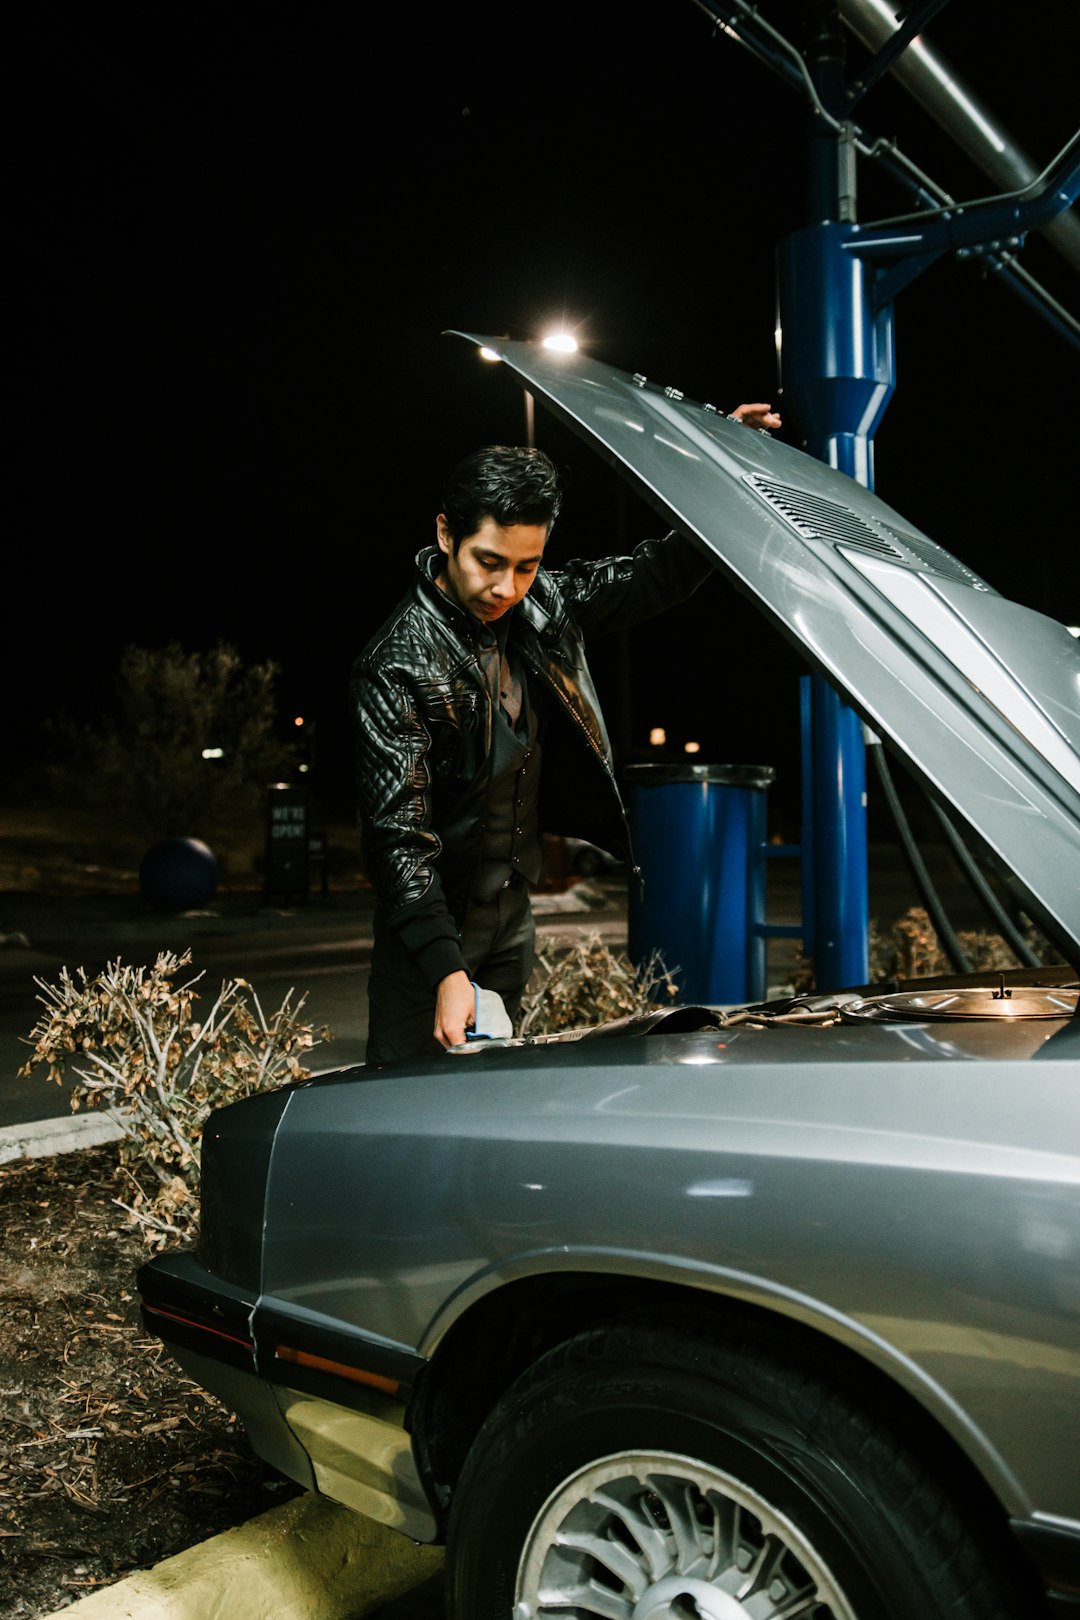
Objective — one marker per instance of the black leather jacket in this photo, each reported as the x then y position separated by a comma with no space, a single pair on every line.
424,725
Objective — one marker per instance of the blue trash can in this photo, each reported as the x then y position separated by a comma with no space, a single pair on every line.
699,835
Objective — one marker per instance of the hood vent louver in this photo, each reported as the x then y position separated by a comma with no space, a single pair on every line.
931,555
815,518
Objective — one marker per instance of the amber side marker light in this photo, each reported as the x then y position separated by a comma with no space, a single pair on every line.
200,1327
302,1358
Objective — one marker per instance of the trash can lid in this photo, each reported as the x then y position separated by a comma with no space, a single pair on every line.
746,776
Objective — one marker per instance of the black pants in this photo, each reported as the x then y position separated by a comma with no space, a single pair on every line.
498,942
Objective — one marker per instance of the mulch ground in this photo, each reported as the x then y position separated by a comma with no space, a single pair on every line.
110,1458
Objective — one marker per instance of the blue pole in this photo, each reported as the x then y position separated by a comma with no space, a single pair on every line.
839,874
836,285
837,369
839,375
838,356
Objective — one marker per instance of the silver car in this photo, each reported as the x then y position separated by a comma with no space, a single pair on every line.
769,1313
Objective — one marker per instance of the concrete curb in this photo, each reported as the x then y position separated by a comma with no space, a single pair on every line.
42,1137
308,1559
39,1138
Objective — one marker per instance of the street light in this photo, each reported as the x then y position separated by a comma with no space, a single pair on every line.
560,342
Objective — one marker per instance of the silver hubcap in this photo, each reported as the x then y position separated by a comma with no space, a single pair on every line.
650,1536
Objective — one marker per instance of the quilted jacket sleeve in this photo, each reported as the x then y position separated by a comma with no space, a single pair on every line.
399,843
616,592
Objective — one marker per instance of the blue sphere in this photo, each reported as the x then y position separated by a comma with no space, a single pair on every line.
178,873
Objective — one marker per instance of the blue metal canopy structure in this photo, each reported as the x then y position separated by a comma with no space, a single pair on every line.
838,280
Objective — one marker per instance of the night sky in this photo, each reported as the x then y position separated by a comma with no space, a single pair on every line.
236,234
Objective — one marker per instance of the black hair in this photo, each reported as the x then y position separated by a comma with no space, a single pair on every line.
512,484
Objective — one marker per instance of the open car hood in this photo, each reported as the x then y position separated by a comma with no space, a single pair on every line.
979,695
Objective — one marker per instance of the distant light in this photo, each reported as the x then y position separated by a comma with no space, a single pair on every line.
489,354
657,737
1073,629
299,720
303,768
213,753
691,748
561,342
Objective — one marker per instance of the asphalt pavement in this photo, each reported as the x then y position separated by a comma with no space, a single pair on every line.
320,949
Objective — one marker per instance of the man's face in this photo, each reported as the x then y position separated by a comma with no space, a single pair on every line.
493,568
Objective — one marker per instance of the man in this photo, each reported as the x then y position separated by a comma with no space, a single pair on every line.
477,727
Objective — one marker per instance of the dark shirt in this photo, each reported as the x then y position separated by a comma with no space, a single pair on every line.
512,846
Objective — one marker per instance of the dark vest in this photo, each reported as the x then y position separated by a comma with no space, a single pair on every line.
511,846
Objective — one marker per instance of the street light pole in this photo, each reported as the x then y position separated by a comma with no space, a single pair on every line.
562,341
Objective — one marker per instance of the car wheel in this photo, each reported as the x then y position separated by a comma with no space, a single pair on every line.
639,1474
587,863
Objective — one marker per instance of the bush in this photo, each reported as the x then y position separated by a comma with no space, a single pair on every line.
581,982
145,763
131,1038
910,949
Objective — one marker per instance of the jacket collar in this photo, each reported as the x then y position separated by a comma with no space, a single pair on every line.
534,608
429,565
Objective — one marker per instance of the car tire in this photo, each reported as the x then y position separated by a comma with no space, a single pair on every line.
643,1473
587,863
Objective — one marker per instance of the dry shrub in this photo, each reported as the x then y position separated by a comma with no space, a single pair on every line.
578,982
131,1038
910,949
